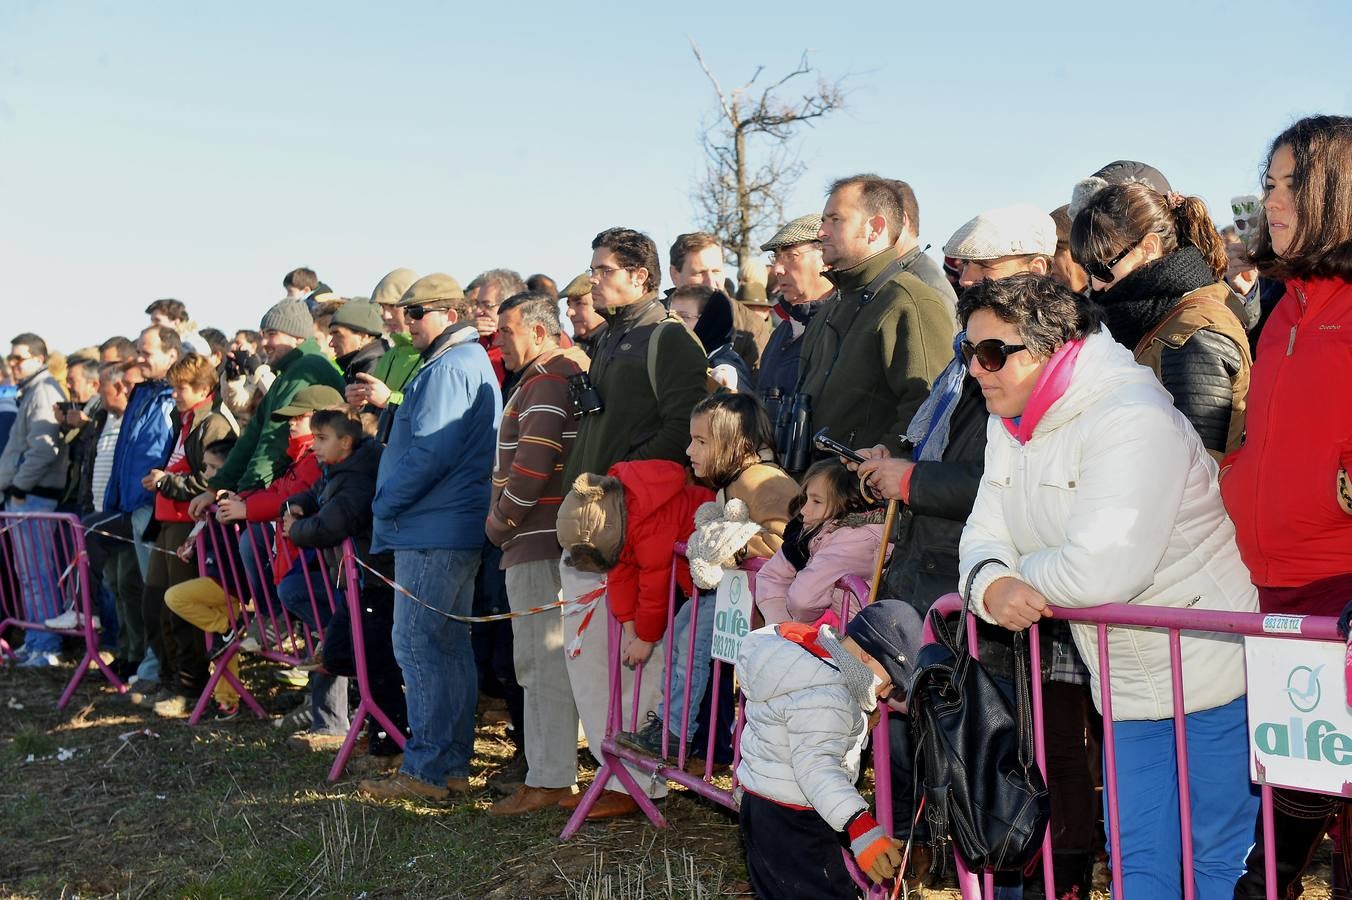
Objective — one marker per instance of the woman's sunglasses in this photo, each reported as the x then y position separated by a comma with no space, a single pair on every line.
1103,271
991,353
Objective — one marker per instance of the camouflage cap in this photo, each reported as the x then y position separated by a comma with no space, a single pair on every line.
437,291
801,230
578,287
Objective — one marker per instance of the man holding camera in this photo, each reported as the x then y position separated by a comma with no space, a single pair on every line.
534,440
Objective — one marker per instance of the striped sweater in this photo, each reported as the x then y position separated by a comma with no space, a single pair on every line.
534,440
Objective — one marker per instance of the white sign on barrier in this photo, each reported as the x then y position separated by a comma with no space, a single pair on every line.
732,614
1300,726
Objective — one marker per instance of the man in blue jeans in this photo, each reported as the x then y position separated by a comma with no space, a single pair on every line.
32,478
431,500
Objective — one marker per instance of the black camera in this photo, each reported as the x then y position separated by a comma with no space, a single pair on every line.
586,399
239,363
793,433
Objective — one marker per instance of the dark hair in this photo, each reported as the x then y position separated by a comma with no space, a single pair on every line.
216,340
36,345
845,496
1121,215
90,367
738,430
878,196
174,310
544,284
124,347
1045,312
169,338
195,370
1321,186
686,244
634,250
301,279
341,421
910,208
252,337
220,448
327,308
537,308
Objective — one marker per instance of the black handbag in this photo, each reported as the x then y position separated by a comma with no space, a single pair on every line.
983,789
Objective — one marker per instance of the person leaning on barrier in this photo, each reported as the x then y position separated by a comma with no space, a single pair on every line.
1096,490
1289,487
868,360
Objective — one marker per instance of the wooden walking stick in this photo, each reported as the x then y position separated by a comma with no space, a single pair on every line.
889,520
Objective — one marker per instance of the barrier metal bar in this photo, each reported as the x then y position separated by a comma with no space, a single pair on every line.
1175,621
65,581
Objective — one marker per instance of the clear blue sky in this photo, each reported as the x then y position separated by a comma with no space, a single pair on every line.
199,151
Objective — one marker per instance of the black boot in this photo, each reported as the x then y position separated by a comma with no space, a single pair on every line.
1300,821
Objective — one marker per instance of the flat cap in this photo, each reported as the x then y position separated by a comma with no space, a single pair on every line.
392,287
800,231
359,315
578,287
308,399
437,290
1018,230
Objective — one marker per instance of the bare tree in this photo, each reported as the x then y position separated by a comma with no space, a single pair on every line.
739,197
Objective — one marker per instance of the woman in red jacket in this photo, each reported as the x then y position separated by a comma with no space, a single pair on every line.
1287,487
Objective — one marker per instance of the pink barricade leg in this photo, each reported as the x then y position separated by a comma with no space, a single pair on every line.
1269,844
690,664
1181,752
670,649
1040,747
1110,763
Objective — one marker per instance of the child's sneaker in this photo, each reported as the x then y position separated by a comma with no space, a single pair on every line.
219,712
40,659
70,620
647,739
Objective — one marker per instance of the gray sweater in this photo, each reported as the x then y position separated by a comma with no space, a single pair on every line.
34,460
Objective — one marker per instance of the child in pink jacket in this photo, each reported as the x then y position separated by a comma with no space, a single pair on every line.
833,533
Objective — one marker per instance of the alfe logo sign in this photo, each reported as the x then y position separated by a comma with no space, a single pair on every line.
1300,727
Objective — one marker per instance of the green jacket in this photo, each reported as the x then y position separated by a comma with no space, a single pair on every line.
868,366
635,423
397,366
260,455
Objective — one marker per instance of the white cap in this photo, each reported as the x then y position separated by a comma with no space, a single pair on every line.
1018,230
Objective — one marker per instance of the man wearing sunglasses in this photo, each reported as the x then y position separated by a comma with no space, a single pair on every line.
431,500
937,475
868,360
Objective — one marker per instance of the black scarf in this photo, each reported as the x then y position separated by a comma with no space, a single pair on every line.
1141,300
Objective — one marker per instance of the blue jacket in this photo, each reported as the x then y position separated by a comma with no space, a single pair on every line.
142,444
434,481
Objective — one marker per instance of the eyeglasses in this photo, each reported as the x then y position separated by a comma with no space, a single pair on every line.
1103,271
604,271
785,256
417,312
991,354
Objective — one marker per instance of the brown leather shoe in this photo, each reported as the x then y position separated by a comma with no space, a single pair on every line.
573,801
458,785
402,787
612,804
529,799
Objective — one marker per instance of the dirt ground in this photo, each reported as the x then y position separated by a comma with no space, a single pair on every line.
105,799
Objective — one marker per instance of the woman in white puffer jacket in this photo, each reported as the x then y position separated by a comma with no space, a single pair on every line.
1097,490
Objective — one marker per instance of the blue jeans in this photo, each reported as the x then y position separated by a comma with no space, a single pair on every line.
255,561
37,560
140,518
1224,803
437,659
682,668
328,693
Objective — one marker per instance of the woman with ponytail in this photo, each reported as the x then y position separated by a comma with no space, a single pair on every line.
1157,265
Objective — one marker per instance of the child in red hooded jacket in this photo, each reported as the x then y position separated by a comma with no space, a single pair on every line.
625,525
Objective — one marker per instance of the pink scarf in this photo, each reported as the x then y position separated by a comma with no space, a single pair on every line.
1050,387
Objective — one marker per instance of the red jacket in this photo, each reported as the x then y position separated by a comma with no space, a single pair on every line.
1281,485
659,503
265,504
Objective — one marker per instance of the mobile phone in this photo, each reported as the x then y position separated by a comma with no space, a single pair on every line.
830,445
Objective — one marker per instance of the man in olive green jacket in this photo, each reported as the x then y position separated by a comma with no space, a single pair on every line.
645,415
869,357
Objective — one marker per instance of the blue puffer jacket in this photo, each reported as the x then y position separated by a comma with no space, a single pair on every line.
142,444
433,487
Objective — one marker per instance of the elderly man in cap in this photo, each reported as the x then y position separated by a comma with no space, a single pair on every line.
588,325
936,479
431,501
796,276
382,387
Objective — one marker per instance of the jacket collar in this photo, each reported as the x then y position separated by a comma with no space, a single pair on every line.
857,277
373,350
33,379
304,348
459,333
634,312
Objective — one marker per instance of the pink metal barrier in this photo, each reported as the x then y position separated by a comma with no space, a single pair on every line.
282,636
46,572
615,755
1175,620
